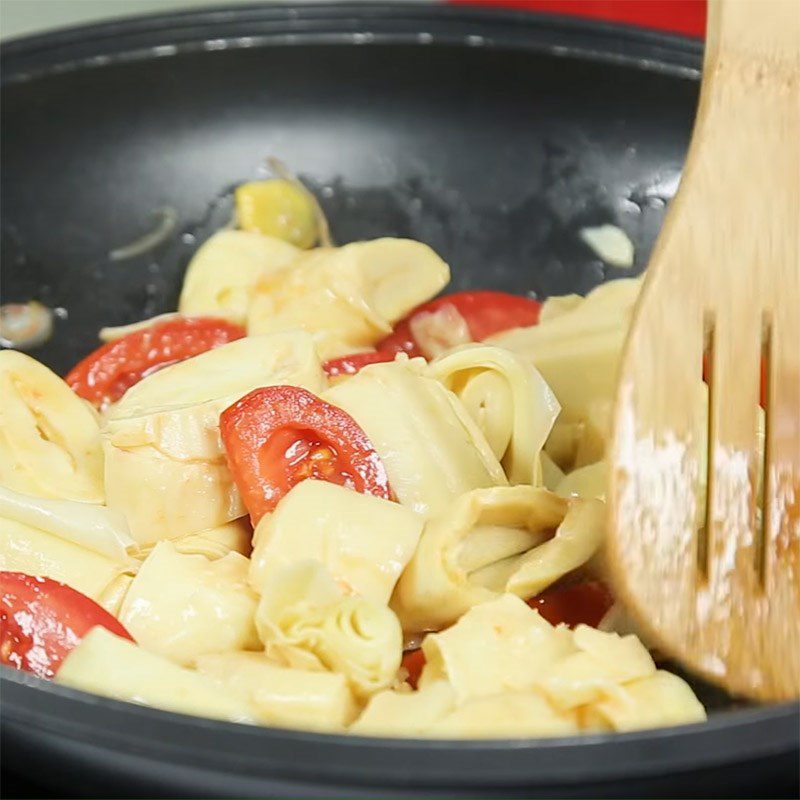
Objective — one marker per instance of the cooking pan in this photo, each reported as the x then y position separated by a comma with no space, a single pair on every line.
495,138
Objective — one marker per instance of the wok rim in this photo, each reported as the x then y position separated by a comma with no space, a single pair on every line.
727,737
285,23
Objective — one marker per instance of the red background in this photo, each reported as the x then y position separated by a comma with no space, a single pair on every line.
676,16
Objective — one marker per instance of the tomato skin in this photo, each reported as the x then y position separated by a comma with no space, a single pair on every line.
576,604
42,620
351,364
278,436
107,373
413,662
485,312
400,340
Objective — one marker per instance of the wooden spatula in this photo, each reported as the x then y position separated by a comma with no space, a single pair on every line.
704,535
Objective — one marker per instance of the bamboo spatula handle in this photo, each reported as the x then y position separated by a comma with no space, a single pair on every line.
704,534
754,29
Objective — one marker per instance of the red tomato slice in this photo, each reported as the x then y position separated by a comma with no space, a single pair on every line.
42,620
485,312
349,365
107,373
580,603
278,436
413,662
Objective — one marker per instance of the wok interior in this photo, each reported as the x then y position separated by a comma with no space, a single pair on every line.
497,164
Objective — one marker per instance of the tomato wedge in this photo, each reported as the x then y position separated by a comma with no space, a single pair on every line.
42,620
485,312
577,604
278,436
413,662
107,373
349,365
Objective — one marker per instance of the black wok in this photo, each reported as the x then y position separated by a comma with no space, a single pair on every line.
495,138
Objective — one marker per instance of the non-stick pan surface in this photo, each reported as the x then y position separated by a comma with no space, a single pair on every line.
494,138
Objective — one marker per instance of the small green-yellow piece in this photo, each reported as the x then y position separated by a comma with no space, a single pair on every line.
277,208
